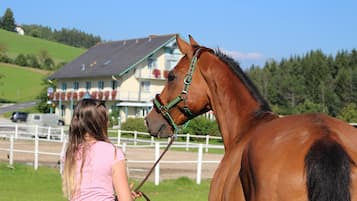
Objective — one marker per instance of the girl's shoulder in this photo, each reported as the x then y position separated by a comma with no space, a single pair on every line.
104,145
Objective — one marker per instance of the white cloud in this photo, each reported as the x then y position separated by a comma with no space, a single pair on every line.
244,56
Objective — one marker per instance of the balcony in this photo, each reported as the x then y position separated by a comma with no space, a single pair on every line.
155,74
107,95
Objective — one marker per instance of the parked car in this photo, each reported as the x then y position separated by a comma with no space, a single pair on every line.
44,122
19,116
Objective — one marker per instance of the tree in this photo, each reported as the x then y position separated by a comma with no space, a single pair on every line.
8,21
43,106
349,113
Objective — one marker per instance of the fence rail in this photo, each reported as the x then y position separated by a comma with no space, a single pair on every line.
37,134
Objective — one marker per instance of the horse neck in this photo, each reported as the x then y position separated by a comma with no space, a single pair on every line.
231,101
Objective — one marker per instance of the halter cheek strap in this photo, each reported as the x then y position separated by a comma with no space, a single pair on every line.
165,109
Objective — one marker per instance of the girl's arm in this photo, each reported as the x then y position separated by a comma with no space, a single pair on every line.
120,181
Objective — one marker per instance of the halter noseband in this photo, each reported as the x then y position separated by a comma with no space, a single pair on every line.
165,109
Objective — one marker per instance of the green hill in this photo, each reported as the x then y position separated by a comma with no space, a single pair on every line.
19,84
16,44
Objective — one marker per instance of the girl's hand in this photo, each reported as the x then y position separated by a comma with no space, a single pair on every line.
134,194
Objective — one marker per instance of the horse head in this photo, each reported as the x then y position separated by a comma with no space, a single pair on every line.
185,94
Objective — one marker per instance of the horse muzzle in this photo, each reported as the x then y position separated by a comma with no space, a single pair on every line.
158,126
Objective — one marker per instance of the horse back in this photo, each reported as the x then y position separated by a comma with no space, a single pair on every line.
274,160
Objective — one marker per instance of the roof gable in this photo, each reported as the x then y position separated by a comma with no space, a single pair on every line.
112,58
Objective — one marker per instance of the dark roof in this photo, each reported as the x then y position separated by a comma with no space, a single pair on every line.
112,58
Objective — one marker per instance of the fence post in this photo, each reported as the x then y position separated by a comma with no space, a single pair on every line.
207,142
35,164
11,154
62,134
152,141
16,131
124,147
135,137
49,133
199,164
187,141
157,168
119,136
63,154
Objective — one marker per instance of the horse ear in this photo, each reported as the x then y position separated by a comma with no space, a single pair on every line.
184,47
192,41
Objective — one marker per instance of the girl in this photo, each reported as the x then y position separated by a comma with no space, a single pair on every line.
93,165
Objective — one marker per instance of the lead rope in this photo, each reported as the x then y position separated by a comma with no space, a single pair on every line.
136,190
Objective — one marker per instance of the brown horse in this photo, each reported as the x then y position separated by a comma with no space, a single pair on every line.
298,157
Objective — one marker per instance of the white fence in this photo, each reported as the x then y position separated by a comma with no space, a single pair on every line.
36,134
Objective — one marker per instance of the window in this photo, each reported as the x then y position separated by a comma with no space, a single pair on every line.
75,85
100,84
88,85
63,110
151,62
64,86
114,84
145,85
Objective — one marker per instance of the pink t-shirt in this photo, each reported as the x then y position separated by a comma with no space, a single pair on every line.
97,182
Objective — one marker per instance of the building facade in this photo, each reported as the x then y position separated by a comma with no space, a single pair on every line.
126,74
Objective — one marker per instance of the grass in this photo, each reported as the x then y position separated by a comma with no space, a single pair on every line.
16,44
20,84
23,183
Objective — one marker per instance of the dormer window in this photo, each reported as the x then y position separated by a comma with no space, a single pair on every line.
151,62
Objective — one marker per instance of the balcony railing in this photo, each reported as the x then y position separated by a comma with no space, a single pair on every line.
112,95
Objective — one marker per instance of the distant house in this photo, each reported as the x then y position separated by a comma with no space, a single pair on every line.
19,30
126,74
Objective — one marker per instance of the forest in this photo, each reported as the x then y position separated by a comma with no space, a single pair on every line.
314,82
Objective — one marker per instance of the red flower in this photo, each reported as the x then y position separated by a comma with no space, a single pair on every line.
69,94
106,95
114,94
156,73
94,94
75,96
81,94
100,95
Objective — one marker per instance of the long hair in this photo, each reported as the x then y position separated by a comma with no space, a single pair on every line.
89,117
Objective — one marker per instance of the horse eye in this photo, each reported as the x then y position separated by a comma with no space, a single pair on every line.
171,76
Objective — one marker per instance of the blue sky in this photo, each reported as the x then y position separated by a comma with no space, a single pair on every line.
251,31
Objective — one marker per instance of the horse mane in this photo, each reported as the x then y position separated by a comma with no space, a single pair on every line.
234,65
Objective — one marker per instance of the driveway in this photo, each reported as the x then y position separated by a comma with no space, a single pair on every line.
15,107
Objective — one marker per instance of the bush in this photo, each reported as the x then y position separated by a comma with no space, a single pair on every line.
48,63
32,61
134,124
5,59
21,60
202,126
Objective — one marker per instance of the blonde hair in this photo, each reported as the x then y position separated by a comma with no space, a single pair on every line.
89,117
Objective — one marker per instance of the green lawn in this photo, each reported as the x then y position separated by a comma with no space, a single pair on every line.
23,183
20,84
17,44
